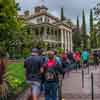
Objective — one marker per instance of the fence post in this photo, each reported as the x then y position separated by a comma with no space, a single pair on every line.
76,67
60,88
92,86
88,69
82,78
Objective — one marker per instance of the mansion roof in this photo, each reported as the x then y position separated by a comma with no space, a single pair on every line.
40,14
42,11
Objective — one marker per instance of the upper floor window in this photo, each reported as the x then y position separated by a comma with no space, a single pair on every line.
47,19
39,20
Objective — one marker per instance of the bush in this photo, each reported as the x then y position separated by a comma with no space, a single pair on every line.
15,77
60,50
26,52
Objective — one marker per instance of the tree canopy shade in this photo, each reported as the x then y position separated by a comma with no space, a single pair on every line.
62,14
92,32
14,34
8,20
84,34
97,26
76,35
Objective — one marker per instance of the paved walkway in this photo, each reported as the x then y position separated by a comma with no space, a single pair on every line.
72,86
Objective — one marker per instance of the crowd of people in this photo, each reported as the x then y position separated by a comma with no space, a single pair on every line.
43,70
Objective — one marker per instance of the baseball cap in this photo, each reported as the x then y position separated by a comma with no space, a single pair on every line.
35,50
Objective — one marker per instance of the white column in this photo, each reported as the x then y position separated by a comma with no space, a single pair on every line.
57,38
62,39
71,41
44,19
68,41
65,40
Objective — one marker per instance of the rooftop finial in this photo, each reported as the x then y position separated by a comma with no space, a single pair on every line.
41,2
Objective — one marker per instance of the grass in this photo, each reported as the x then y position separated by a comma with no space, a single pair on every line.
15,75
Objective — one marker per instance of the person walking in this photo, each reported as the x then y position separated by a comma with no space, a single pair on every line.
85,58
51,81
95,56
77,58
33,69
65,64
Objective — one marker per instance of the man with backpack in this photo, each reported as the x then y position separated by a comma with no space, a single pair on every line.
33,68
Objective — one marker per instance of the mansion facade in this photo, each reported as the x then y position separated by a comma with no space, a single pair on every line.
50,29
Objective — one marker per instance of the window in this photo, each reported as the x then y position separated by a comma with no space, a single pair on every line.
39,20
47,19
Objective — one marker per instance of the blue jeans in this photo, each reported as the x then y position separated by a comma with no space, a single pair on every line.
49,98
51,91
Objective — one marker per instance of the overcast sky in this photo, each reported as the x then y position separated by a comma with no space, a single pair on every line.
72,8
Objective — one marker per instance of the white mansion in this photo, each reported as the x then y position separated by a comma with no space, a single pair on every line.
51,30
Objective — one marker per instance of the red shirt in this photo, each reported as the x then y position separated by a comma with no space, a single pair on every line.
77,56
51,63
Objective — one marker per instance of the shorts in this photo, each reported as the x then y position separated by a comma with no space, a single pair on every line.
85,62
36,87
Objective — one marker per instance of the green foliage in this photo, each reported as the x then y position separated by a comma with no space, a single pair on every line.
97,26
15,35
60,50
92,33
91,21
62,14
17,82
9,22
84,35
77,36
26,52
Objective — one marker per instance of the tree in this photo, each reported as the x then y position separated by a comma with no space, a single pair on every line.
62,15
92,32
97,25
91,21
77,36
18,7
97,11
84,35
8,21
14,34
78,33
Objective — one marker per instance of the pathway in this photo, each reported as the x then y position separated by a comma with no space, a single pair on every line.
72,86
